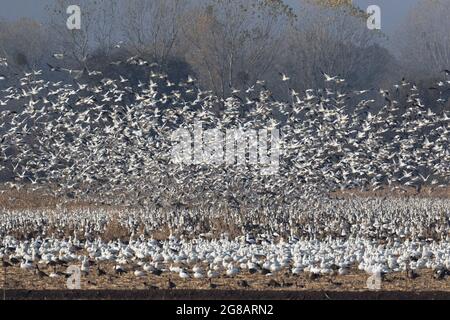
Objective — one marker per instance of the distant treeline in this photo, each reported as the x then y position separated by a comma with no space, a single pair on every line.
229,44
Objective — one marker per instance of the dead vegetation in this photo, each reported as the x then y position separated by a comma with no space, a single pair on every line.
27,199
356,281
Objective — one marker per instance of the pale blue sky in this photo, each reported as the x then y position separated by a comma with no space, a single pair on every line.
393,11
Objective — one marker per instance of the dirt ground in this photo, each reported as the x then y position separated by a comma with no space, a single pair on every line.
356,281
23,284
28,199
220,295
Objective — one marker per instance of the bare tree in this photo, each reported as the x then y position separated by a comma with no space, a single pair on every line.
233,42
98,28
152,28
424,40
25,43
335,40
107,25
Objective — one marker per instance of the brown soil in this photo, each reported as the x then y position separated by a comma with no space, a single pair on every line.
219,295
354,282
28,199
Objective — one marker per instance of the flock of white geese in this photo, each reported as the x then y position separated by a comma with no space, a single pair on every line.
374,235
108,141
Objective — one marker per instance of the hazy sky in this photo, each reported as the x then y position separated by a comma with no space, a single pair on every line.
393,11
